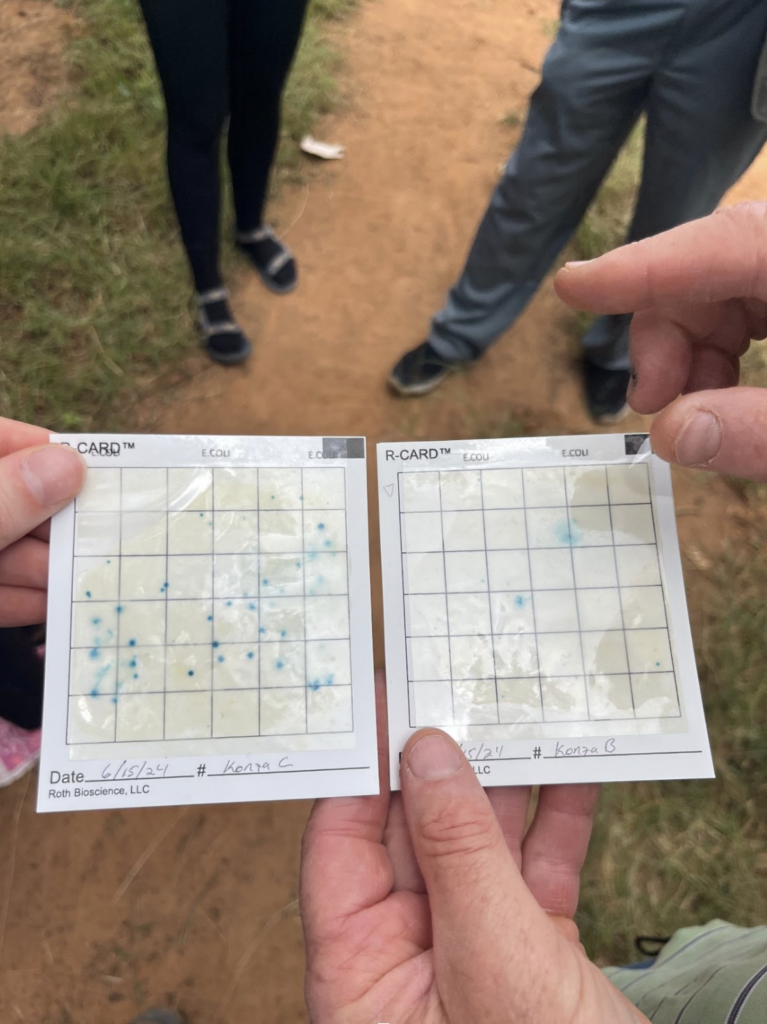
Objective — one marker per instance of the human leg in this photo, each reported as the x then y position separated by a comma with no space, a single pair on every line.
594,83
189,39
190,43
701,136
263,37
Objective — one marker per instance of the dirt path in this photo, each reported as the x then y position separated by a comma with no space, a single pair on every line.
102,913
32,37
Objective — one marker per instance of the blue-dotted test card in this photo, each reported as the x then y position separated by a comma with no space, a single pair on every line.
535,609
209,627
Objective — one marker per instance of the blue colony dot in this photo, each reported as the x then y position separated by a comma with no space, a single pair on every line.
279,664
657,664
135,675
283,633
251,607
95,692
314,685
320,526
519,601
215,643
328,543
568,533
114,699
132,663
228,604
109,561
202,515
221,657
95,653
262,629
265,582
119,609
87,593
298,565
96,622
132,642
251,655
190,672
272,497
210,618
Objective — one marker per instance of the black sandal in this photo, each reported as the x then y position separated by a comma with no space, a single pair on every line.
274,262
222,337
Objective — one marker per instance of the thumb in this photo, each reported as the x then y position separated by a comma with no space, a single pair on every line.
723,430
34,484
488,929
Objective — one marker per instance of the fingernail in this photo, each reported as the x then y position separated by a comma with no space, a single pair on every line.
699,440
434,757
577,263
53,474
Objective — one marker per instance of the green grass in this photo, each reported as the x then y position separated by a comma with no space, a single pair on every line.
605,225
550,27
510,120
667,855
94,295
608,218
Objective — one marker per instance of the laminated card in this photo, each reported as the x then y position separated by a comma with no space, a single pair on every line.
209,634
535,609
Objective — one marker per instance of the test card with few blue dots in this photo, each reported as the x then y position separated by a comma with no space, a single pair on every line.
209,629
535,608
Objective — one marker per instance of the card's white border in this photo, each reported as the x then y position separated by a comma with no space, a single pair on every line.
173,780
609,756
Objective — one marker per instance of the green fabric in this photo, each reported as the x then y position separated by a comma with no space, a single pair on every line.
714,974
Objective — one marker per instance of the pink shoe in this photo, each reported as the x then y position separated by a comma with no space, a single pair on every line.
19,751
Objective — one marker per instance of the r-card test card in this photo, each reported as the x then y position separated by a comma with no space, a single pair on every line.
535,609
209,626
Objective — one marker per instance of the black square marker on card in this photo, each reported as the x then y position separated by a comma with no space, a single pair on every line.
637,444
343,447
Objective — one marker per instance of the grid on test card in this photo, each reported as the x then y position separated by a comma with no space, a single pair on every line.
209,603
534,595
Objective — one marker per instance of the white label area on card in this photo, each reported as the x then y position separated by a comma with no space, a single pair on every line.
209,629
535,608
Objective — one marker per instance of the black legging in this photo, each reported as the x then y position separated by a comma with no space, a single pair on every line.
217,58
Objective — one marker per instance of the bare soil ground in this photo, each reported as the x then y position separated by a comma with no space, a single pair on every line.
104,913
32,33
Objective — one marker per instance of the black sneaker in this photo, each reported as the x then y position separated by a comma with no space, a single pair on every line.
419,371
606,393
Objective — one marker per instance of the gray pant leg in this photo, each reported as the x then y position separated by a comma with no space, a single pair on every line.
701,135
595,81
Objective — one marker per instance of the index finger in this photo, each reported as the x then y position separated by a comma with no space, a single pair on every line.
720,257
15,436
